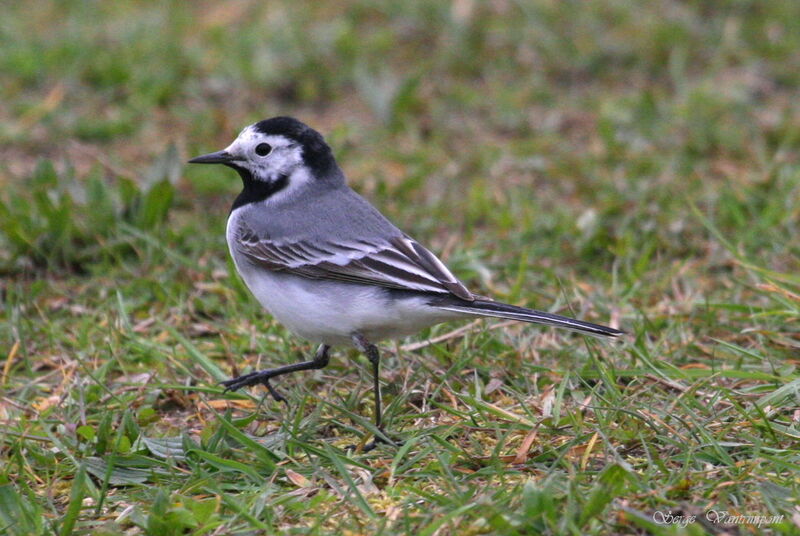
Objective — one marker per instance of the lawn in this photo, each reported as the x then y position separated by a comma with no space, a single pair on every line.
628,163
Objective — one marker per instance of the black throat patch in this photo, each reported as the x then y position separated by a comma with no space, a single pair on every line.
255,190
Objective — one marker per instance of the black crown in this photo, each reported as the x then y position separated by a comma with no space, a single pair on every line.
316,153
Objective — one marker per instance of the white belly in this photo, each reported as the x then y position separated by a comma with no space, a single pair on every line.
331,312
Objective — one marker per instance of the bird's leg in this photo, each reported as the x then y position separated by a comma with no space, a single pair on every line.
321,359
374,357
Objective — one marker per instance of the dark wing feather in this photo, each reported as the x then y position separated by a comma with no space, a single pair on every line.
399,263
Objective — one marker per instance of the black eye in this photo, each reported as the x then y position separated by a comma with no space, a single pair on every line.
263,149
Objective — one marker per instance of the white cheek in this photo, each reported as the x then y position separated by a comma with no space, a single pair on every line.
297,182
283,159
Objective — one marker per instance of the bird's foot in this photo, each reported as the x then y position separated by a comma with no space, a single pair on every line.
260,377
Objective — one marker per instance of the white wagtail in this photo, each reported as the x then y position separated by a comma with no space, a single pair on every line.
327,264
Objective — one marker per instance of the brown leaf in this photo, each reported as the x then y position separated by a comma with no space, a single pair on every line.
524,449
224,404
297,479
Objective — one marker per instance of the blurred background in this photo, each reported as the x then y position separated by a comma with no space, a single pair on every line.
632,163
590,127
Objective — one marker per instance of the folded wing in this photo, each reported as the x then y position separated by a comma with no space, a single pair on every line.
399,262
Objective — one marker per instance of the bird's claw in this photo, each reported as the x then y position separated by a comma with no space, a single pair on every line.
274,392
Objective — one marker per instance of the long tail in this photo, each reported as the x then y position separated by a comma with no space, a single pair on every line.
512,312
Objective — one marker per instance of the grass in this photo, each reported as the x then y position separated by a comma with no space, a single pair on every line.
633,163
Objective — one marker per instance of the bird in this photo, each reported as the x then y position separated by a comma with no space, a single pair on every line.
329,266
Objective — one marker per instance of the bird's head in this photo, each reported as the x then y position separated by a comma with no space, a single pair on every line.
279,153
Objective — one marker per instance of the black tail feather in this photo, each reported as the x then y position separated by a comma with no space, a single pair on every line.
512,312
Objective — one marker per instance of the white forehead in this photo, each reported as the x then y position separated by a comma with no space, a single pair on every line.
250,136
